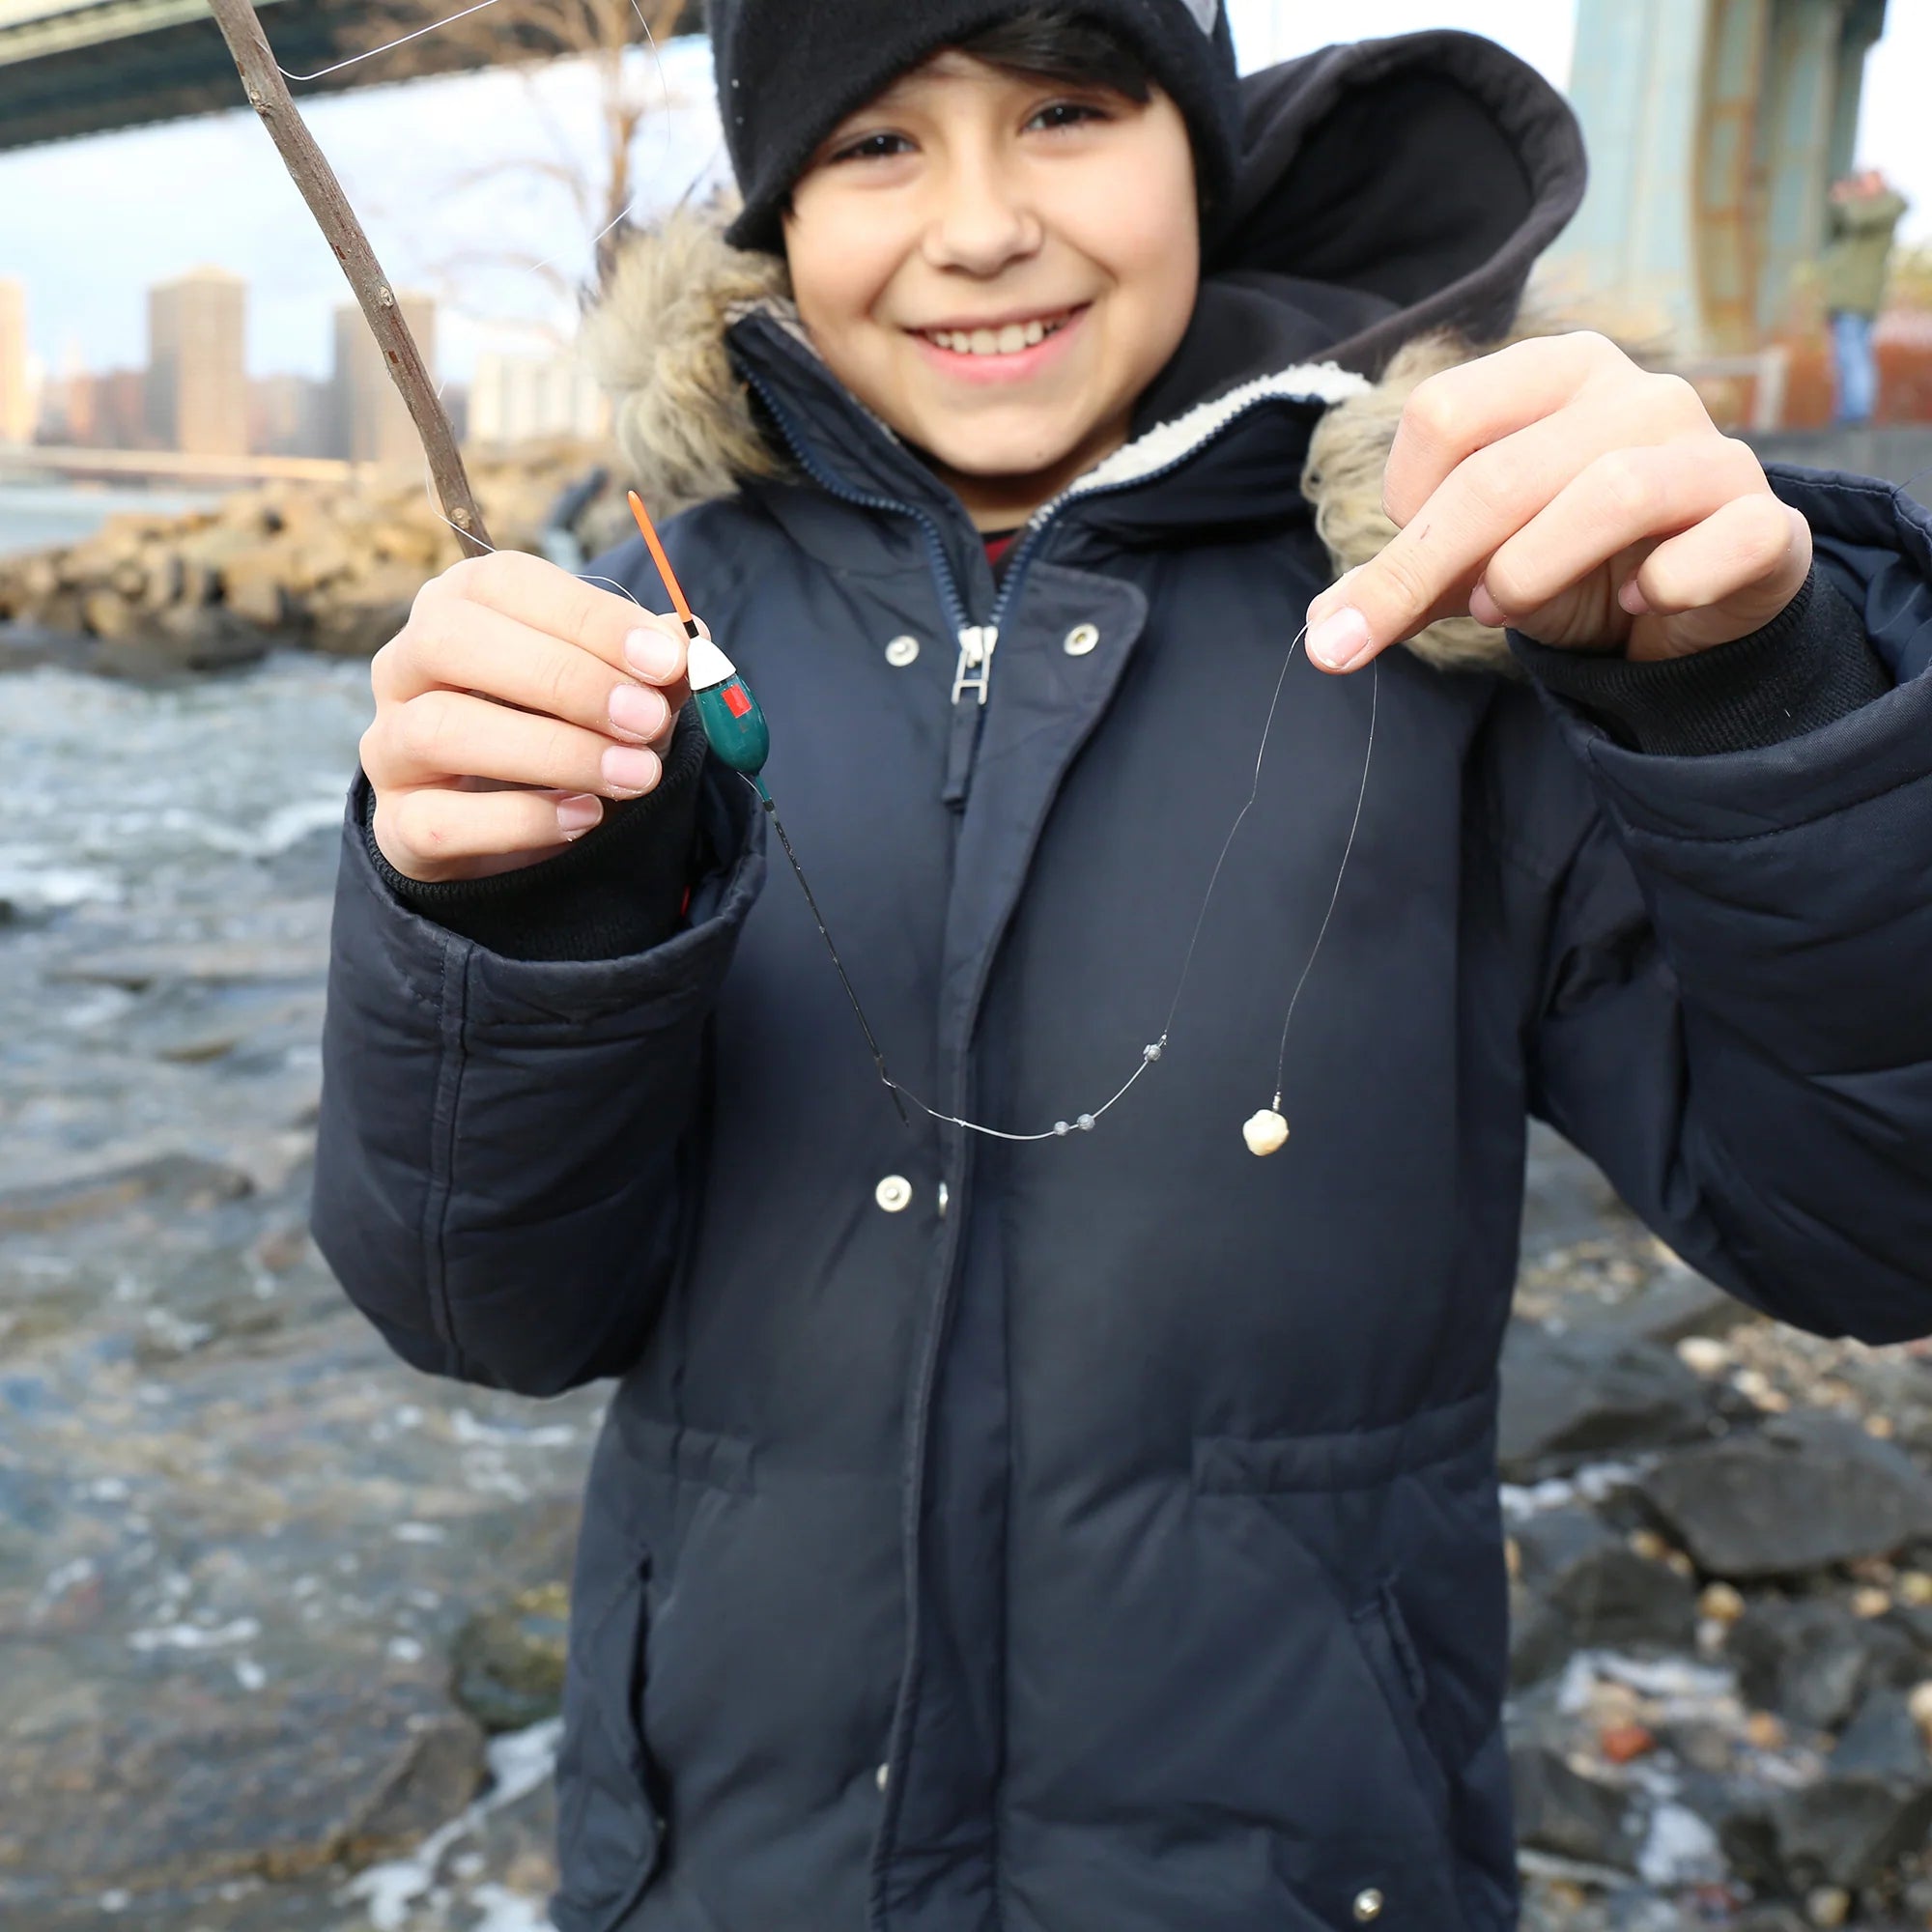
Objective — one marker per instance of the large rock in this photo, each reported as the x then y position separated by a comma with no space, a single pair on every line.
1676,1307
1813,1660
1801,1493
1602,1591
1590,1392
1558,1811
182,1789
509,1661
1849,1828
179,1182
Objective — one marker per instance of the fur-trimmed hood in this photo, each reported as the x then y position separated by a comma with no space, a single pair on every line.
1396,194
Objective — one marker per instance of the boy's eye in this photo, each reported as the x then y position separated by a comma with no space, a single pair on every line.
871,148
1066,114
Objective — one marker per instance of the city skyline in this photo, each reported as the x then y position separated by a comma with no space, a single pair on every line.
193,395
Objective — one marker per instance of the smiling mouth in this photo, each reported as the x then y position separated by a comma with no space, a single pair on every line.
1014,338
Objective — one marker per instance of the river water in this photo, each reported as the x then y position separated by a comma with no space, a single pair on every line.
238,1538
33,514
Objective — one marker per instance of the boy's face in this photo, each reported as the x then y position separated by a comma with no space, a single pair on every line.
998,267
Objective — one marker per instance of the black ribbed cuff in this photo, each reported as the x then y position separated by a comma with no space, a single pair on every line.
1812,664
618,892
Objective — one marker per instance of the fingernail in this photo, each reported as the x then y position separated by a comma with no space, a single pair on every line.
1633,599
637,713
575,816
653,655
629,770
1339,639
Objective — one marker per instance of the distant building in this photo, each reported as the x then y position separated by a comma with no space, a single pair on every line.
197,364
66,402
288,416
369,420
520,399
16,400
121,410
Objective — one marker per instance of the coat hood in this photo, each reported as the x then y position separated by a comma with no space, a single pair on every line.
1394,196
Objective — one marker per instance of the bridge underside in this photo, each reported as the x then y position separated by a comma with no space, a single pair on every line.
71,70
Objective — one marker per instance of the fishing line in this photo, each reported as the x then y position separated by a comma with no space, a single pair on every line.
402,40
1155,1049
736,729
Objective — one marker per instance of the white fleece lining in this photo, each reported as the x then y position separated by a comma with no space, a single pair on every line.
1169,442
1166,443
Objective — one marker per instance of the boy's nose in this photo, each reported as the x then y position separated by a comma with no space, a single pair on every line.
980,224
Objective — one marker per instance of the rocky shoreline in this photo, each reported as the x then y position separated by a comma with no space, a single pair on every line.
283,1621
331,568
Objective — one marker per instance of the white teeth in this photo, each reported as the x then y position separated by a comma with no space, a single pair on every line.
1011,340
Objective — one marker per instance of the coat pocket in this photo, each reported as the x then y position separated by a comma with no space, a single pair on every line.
1383,1636
608,1832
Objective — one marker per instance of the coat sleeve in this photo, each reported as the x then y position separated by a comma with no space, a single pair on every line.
1737,1024
506,1150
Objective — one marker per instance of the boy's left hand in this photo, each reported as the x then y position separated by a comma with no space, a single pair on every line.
1557,488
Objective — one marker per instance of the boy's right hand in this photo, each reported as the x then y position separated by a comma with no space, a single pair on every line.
513,703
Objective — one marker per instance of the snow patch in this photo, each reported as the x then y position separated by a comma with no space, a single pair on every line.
1680,1849
519,1762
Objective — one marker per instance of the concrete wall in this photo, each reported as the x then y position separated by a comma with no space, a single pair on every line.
1716,128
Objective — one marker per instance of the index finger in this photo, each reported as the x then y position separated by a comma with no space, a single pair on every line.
1461,410
638,643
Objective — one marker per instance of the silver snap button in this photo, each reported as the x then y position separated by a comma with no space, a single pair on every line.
883,1776
944,1199
903,651
893,1194
1368,1906
1081,640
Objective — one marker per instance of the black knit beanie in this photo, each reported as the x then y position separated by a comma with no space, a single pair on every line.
790,70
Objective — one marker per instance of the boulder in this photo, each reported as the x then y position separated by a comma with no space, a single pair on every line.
1589,1392
1677,1307
1814,1662
107,614
1559,1811
254,590
1541,1639
181,1788
1802,1493
1884,1740
1849,1826
1605,1593
509,1661
179,1183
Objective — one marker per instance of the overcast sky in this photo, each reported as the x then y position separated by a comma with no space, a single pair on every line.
88,225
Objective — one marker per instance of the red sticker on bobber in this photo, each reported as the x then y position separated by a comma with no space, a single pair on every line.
737,700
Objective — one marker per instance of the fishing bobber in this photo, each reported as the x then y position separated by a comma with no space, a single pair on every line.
1266,1133
733,721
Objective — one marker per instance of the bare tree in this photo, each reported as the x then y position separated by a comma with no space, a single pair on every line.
607,35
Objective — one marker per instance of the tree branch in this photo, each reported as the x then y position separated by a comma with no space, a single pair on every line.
269,95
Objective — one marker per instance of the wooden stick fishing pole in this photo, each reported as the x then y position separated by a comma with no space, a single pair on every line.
269,95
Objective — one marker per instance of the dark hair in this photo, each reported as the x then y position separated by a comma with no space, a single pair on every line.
1059,44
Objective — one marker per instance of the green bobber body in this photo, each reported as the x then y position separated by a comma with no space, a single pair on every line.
733,720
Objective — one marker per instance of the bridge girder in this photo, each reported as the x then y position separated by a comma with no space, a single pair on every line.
69,67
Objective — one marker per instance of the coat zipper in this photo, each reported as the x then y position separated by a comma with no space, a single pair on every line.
979,642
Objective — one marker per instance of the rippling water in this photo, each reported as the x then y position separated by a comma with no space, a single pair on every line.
231,1526
121,794
165,860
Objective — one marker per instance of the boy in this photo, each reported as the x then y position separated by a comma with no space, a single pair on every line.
1104,1533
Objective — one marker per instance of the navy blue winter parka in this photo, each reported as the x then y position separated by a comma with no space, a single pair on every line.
1102,1535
